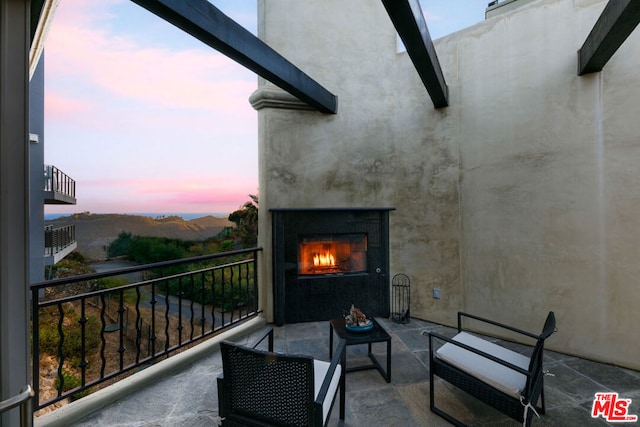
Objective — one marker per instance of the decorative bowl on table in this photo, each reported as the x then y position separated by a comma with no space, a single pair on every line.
356,321
360,328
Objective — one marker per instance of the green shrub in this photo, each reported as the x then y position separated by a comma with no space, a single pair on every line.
111,282
70,381
72,333
226,245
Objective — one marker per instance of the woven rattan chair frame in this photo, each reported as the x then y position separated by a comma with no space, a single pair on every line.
508,405
263,388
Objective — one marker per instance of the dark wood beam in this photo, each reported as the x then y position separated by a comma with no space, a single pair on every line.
617,21
208,24
410,24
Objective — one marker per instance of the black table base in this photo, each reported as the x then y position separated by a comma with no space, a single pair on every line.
376,334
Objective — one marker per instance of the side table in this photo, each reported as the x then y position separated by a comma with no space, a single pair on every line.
376,334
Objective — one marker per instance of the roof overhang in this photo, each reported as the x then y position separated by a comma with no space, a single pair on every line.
42,12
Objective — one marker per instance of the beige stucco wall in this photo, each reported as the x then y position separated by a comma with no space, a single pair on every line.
515,200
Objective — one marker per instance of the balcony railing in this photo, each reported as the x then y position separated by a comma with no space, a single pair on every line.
58,187
96,328
56,240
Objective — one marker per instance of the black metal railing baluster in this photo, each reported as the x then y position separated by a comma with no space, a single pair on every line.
179,294
246,288
223,296
138,326
103,344
204,303
232,285
241,293
83,338
255,281
167,303
213,300
192,293
249,297
152,335
60,351
121,329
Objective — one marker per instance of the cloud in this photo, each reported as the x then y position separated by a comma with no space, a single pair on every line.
161,195
60,107
195,78
118,103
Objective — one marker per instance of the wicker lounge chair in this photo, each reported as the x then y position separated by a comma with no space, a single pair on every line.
508,381
263,388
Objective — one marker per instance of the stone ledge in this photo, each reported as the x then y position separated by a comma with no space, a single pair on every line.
274,97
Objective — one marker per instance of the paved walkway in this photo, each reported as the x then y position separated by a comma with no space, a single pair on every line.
189,397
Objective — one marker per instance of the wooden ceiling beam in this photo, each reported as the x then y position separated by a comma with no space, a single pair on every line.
617,21
411,26
205,22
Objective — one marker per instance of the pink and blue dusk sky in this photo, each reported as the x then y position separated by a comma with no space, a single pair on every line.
147,119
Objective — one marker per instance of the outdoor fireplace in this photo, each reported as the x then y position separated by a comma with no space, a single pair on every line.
324,260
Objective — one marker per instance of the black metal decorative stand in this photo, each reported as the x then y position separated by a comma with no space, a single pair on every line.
400,298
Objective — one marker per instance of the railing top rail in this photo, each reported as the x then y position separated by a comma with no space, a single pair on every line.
50,227
107,291
93,276
51,170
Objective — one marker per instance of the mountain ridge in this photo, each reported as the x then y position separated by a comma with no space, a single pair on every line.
95,231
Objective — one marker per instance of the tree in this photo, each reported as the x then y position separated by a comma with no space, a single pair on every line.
120,246
246,220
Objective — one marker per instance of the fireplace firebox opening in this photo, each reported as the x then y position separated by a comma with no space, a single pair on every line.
332,254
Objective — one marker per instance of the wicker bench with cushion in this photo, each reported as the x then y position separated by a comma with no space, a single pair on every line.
508,381
263,388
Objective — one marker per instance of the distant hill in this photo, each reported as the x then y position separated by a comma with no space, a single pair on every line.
95,231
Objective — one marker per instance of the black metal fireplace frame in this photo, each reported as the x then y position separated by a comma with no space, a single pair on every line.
369,289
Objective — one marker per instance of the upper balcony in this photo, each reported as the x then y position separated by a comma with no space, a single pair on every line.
58,243
59,189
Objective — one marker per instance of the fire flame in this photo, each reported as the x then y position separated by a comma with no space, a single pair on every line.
324,260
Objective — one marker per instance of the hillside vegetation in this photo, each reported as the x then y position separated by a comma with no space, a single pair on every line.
94,232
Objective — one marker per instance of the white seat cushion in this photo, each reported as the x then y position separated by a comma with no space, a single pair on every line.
499,376
320,369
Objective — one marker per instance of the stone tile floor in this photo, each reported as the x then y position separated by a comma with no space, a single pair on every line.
189,398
